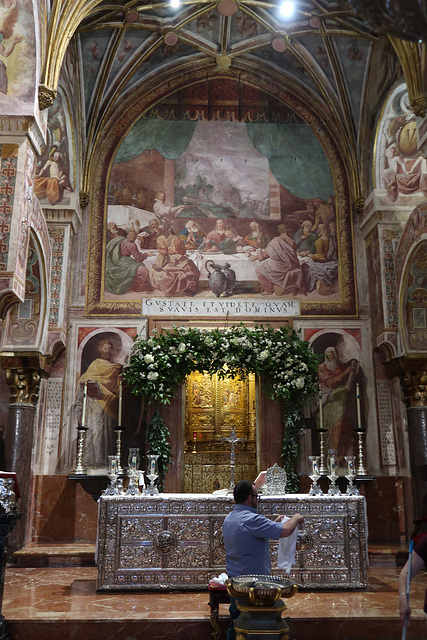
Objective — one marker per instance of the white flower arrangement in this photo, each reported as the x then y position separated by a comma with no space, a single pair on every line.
285,363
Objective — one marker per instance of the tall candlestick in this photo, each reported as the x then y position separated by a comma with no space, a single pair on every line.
84,404
119,416
359,422
320,409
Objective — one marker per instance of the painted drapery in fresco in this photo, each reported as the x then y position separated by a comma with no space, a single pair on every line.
184,195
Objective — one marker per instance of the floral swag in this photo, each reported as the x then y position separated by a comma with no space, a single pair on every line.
286,364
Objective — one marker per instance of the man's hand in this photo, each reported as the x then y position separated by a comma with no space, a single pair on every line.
290,525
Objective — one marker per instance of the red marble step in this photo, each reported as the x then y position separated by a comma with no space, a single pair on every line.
382,555
55,555
62,603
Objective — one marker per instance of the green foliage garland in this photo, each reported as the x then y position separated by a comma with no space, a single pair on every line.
286,364
158,443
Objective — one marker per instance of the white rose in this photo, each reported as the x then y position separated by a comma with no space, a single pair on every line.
299,383
153,375
148,358
264,355
181,347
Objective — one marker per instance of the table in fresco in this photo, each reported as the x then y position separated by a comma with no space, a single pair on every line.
174,541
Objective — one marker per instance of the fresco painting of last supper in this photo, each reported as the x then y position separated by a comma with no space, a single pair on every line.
219,208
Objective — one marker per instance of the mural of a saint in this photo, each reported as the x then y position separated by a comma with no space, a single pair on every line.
102,377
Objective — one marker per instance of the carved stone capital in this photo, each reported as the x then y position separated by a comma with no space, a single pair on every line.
415,386
24,385
24,373
359,204
83,199
46,97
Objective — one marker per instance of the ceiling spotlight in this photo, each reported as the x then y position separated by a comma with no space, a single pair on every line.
287,8
175,3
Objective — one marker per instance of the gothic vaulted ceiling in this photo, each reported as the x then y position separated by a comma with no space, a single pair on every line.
322,50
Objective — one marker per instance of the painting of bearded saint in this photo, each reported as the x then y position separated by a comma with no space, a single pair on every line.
338,385
102,378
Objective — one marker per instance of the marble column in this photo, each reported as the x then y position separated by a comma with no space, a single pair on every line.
415,384
23,375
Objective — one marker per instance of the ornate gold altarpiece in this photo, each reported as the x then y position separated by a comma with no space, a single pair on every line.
214,406
174,541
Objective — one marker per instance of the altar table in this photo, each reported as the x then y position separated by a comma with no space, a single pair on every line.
174,541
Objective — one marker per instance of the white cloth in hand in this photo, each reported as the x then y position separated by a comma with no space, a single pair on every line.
286,550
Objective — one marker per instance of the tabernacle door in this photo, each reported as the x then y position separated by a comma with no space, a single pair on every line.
215,406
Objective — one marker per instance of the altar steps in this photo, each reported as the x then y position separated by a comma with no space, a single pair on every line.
55,603
77,554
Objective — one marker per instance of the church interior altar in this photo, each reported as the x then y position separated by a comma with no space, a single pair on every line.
174,541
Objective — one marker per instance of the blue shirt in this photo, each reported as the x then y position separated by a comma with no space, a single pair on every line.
246,538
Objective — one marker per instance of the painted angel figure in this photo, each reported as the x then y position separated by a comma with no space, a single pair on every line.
8,41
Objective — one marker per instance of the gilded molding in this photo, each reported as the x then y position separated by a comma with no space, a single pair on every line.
411,56
65,18
415,387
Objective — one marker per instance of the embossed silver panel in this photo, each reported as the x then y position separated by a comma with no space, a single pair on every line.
174,541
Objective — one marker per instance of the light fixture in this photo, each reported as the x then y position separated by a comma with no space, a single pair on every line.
287,8
175,3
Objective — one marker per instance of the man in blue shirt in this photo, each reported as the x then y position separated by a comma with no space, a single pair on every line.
246,538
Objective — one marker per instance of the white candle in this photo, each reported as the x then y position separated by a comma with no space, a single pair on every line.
84,404
153,467
315,468
320,408
119,417
133,462
113,466
359,422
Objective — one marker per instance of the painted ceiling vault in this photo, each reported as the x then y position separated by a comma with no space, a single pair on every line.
323,52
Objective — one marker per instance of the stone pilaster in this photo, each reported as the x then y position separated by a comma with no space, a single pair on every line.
24,372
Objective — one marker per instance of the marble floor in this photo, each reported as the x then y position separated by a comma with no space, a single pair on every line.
56,603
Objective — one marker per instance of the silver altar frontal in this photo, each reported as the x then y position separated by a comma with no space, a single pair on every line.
174,541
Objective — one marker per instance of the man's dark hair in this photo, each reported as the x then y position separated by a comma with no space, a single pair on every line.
242,490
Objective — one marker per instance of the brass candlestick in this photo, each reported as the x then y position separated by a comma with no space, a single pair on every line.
360,470
323,469
80,470
81,431
119,432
